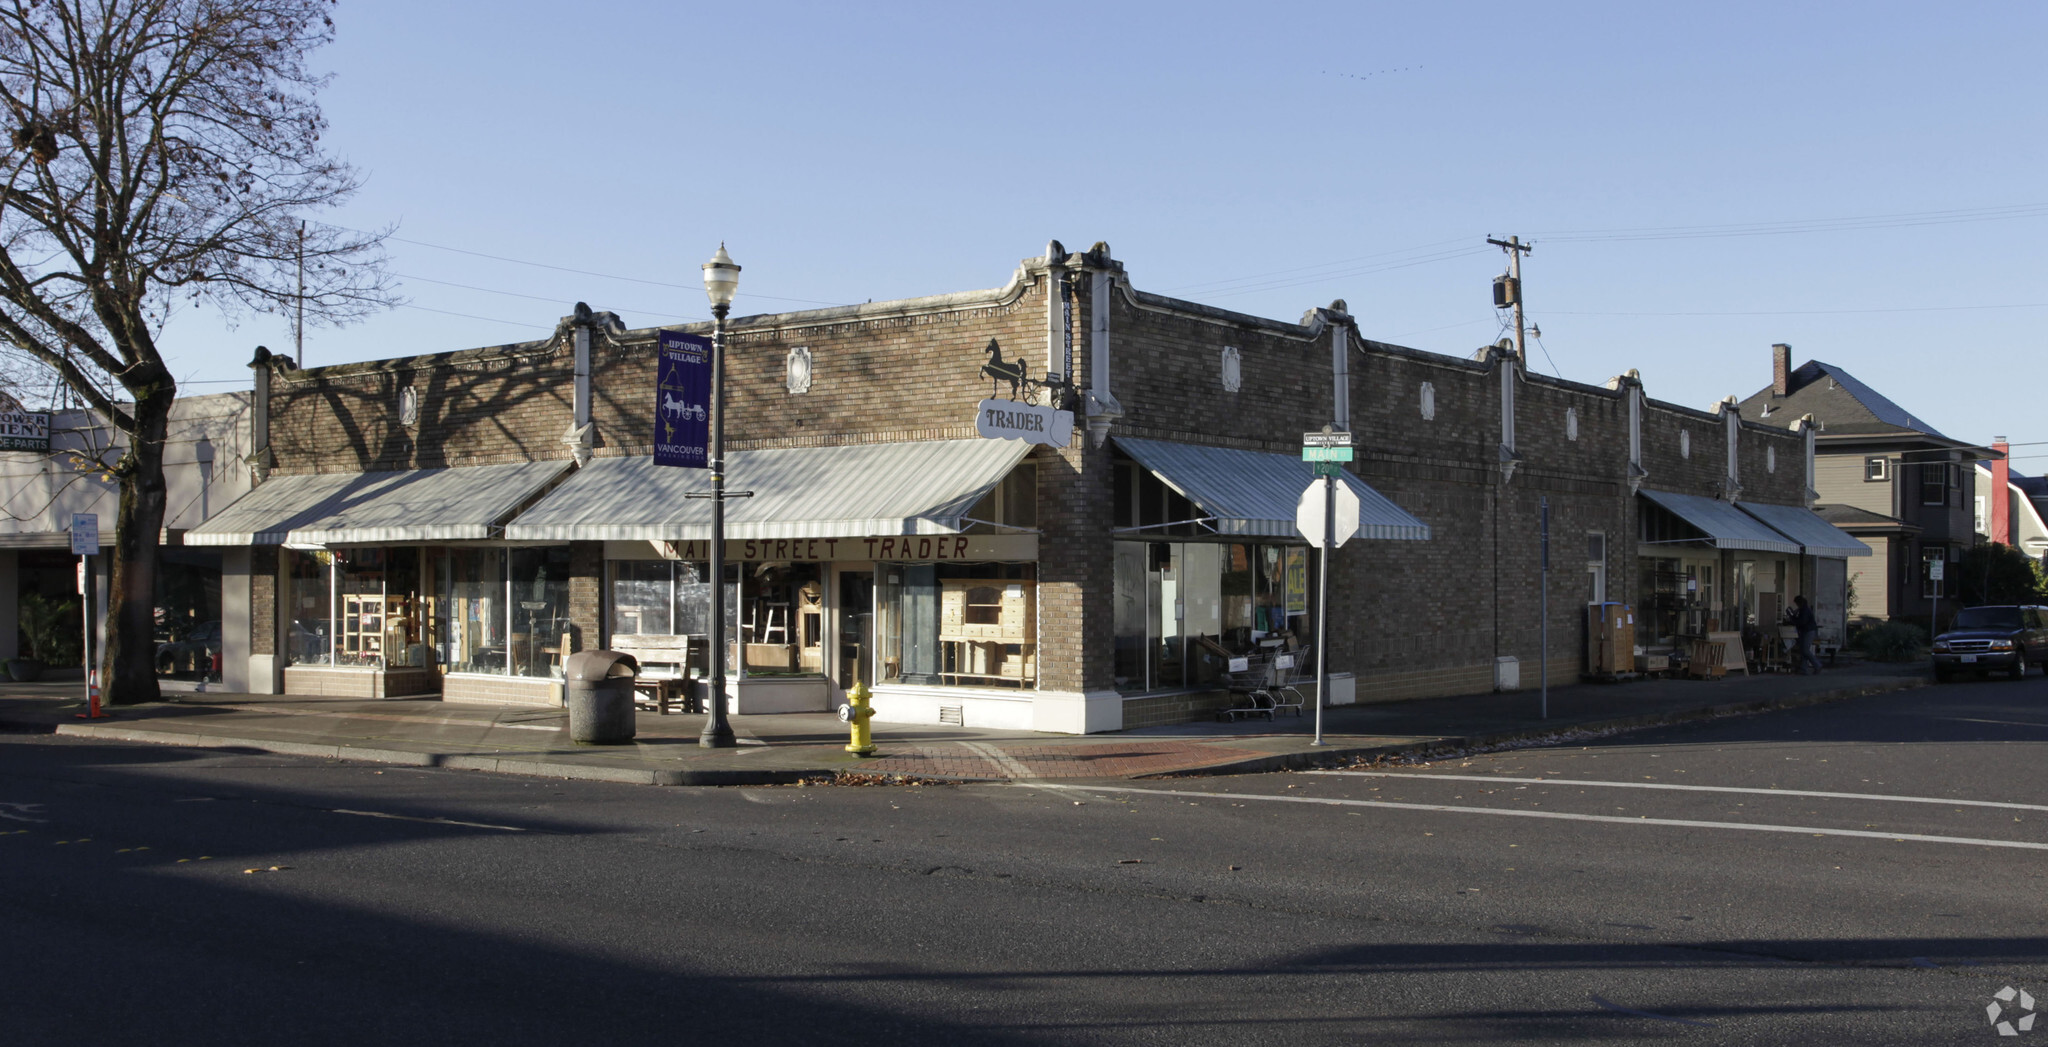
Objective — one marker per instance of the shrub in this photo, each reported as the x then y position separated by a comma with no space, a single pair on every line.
1892,642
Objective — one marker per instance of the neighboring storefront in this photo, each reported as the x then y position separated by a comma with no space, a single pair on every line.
401,583
1209,563
41,489
1707,565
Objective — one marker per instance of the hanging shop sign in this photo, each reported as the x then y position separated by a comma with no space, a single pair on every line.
1013,420
682,400
22,431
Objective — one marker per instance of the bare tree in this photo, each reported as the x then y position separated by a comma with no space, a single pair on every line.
163,152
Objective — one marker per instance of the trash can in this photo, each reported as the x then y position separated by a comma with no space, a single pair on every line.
599,693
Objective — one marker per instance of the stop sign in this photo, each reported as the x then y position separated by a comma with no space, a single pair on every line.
1308,513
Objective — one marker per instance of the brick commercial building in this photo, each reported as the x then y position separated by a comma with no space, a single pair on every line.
1063,504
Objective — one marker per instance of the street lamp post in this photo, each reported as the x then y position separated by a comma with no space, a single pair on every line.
721,281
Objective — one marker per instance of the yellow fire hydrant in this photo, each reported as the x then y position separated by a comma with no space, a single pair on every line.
856,713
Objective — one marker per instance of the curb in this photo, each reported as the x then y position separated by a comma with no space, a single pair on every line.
516,765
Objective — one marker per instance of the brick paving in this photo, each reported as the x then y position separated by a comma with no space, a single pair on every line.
1125,760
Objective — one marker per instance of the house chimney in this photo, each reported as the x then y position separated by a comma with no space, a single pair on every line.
1998,498
1781,370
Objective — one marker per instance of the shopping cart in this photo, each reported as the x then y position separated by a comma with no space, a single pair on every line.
1249,679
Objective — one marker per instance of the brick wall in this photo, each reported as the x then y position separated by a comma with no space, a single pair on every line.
476,407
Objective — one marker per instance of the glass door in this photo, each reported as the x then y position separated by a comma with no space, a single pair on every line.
856,613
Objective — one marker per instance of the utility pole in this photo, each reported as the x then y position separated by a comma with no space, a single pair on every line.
299,327
1510,293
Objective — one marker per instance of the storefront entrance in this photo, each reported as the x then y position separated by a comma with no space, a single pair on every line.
855,618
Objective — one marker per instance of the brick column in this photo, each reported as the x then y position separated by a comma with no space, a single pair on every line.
586,594
1076,592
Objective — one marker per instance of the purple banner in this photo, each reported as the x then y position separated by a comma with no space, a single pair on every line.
682,400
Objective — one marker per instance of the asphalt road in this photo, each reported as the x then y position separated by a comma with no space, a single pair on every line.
1687,885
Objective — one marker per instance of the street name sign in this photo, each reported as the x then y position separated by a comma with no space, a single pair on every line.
1326,439
1326,454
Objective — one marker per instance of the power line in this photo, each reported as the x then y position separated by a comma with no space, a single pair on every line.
517,294
1815,312
1787,227
567,269
1184,288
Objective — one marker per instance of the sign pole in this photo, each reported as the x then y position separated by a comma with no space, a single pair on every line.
1543,657
92,671
1323,601
85,539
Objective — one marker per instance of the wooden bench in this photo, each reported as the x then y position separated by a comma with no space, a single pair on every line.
664,671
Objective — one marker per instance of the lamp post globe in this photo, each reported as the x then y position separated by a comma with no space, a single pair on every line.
721,282
721,279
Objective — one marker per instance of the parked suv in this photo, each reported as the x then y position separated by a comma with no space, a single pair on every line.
1981,639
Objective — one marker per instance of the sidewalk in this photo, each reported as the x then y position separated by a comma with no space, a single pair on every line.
787,748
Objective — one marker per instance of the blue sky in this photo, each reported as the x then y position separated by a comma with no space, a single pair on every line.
1265,158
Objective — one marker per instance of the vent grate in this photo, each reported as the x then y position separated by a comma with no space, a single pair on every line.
952,715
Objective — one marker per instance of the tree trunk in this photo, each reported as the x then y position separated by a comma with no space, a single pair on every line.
130,658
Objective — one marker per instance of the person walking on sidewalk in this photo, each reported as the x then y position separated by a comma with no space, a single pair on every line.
1801,618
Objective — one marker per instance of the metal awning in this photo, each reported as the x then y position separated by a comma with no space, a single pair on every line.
414,505
1803,525
1254,493
1725,526
800,492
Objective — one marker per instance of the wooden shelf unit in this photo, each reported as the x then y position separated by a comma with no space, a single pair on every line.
988,630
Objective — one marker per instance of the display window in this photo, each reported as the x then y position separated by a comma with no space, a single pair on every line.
971,625
490,611
1184,609
665,604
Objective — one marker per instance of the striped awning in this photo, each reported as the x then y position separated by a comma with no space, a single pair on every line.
805,492
1255,493
413,505
1723,525
1817,536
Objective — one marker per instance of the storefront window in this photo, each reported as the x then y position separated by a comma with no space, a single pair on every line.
470,621
1183,609
311,597
973,625
540,610
669,598
783,631
188,638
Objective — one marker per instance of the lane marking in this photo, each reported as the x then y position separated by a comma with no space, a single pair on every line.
1001,759
19,812
1693,788
2000,723
429,821
1505,812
